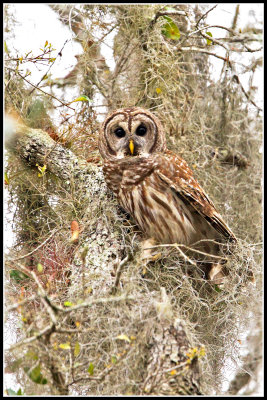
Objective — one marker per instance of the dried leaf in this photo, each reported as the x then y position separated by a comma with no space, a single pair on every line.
124,337
75,230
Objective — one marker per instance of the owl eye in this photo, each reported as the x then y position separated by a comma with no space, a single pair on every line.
119,132
141,130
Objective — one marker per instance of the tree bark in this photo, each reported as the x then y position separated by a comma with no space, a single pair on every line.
167,369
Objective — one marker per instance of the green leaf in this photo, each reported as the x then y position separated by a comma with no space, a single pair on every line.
6,179
68,304
35,375
40,268
31,355
19,392
18,275
5,46
41,170
170,29
82,98
65,346
91,369
77,349
113,359
209,42
217,289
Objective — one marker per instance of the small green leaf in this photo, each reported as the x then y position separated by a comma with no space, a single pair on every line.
77,349
217,289
209,42
68,304
170,29
40,268
41,170
91,369
113,359
46,43
6,179
35,375
18,275
31,355
81,98
65,346
5,46
19,392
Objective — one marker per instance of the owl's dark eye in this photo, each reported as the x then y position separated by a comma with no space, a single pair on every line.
119,132
141,130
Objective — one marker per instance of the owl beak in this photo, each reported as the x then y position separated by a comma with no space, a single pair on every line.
131,146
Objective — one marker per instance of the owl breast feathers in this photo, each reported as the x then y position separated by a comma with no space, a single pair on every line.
154,185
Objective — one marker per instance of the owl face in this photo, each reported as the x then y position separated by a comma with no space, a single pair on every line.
131,132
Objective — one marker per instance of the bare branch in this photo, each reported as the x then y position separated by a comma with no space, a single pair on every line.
37,248
48,94
205,14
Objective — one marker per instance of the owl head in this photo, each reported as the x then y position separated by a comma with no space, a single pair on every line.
131,132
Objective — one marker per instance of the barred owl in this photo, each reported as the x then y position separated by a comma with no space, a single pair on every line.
156,186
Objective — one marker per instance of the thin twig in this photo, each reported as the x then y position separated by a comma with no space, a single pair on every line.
20,303
48,94
202,50
31,339
205,14
104,373
119,271
177,246
51,65
95,301
236,78
37,248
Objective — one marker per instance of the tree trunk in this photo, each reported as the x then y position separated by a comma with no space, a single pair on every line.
162,353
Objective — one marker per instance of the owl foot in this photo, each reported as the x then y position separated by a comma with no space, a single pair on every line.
148,253
217,274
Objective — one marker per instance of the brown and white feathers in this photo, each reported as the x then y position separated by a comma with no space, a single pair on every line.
155,185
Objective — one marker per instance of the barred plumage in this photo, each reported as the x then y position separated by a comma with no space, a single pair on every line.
155,185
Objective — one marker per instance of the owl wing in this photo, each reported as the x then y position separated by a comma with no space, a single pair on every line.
174,171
